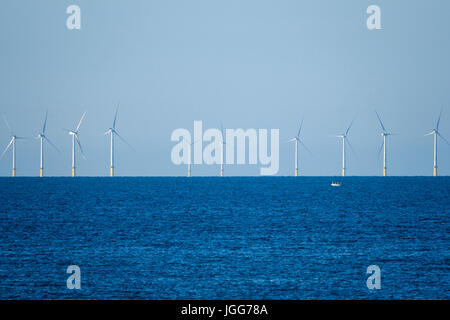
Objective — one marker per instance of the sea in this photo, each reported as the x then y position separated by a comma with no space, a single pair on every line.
225,238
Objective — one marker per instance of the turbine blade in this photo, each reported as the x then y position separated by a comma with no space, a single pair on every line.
52,144
45,122
188,141
439,120
79,145
350,145
440,135
221,130
115,117
381,122
79,123
121,138
300,128
348,129
304,146
7,124
381,148
429,134
6,149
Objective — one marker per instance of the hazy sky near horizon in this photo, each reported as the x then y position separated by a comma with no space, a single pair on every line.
248,64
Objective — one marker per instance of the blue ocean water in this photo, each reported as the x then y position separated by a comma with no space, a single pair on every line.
224,238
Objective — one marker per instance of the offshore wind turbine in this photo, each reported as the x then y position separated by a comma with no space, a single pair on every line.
435,132
222,146
383,146
41,136
12,143
344,138
297,140
189,144
112,131
74,134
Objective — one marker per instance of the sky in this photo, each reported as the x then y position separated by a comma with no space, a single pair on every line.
245,63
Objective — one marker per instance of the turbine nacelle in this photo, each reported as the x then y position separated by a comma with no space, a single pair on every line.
14,137
110,130
44,137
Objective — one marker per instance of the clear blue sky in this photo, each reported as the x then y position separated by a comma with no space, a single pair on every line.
250,64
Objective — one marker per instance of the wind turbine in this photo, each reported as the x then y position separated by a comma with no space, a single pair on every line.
222,145
344,138
189,144
383,146
297,140
436,133
12,143
43,137
74,134
112,131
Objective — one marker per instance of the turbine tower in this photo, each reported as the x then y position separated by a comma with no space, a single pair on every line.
75,138
112,131
297,140
12,143
383,146
344,138
41,136
435,132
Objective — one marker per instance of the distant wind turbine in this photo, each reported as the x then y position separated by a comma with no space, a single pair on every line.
41,136
436,133
112,131
189,145
297,140
12,143
74,134
222,145
344,138
383,146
